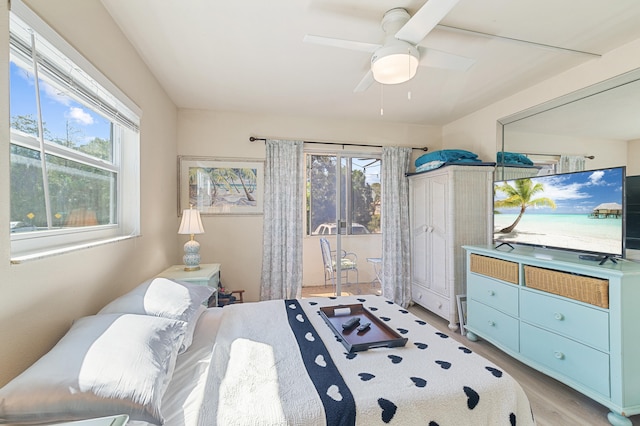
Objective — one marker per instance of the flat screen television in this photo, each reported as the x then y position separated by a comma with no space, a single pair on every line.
580,211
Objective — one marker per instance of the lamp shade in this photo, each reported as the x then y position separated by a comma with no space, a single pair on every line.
191,223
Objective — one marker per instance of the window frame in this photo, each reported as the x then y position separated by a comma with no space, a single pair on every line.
109,102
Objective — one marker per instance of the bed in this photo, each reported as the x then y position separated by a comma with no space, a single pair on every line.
266,363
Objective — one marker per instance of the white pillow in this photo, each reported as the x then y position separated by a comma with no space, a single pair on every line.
163,297
104,365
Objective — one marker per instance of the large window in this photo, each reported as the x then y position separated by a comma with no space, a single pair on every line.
358,189
74,145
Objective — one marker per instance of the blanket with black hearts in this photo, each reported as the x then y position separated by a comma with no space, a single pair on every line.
278,363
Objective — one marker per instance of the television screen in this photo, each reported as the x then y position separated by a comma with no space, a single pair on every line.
582,211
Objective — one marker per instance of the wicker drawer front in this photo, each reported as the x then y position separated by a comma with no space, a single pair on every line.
496,268
578,287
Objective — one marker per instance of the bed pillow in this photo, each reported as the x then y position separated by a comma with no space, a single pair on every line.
162,297
445,155
104,365
166,298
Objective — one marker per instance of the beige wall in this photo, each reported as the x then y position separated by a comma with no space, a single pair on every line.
236,241
39,299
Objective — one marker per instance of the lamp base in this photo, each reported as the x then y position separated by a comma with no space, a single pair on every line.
191,256
191,268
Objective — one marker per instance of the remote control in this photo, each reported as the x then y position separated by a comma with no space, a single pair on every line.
351,323
364,327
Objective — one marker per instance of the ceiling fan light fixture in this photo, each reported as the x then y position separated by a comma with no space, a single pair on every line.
395,64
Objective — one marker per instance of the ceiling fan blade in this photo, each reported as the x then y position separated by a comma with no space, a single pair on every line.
439,59
424,20
364,84
343,44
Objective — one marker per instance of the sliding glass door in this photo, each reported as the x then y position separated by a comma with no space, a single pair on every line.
343,203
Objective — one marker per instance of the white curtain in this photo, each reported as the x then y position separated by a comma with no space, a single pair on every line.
283,220
571,163
396,280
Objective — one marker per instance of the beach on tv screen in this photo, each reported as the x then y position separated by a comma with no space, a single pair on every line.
580,211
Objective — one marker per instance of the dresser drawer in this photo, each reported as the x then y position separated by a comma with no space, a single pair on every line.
580,322
493,325
566,357
493,293
430,300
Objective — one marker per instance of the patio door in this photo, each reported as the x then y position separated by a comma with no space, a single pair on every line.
343,204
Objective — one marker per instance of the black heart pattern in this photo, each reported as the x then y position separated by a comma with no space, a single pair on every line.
419,382
313,303
395,359
403,331
404,311
472,397
494,371
385,318
389,302
388,409
421,322
351,355
432,423
362,300
465,350
444,336
512,419
365,377
373,308
421,345
332,297
444,364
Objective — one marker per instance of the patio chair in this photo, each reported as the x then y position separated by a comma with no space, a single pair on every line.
348,264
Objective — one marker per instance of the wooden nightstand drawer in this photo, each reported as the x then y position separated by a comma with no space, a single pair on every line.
566,357
493,293
580,322
493,325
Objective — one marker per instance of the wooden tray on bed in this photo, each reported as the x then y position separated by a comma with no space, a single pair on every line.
377,336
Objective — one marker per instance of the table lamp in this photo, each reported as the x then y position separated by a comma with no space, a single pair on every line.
191,225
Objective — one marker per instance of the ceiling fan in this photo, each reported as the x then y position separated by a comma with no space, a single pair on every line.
396,60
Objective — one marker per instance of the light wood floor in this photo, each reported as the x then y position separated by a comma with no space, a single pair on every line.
553,403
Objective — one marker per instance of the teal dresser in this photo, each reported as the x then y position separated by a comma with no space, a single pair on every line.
572,319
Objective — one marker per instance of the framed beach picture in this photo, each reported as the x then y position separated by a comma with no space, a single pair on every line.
220,185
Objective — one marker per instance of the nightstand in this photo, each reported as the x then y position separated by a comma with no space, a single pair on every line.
208,274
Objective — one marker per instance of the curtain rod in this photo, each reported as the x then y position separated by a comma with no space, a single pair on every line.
253,139
590,157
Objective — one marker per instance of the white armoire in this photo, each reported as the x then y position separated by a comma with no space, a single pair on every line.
450,207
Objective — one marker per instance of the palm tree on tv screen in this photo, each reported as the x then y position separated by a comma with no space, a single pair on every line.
521,196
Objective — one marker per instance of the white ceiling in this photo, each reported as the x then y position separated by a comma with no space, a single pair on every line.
250,56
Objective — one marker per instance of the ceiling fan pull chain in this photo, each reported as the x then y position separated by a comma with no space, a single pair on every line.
381,100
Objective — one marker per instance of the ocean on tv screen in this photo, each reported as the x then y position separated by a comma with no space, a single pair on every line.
580,211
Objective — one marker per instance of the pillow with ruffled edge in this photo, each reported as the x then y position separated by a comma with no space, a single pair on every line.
444,155
104,365
163,297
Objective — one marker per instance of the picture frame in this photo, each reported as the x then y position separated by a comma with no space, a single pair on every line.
221,186
462,312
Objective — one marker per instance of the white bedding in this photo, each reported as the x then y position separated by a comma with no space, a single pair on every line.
254,373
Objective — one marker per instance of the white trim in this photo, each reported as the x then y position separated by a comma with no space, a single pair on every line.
16,260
